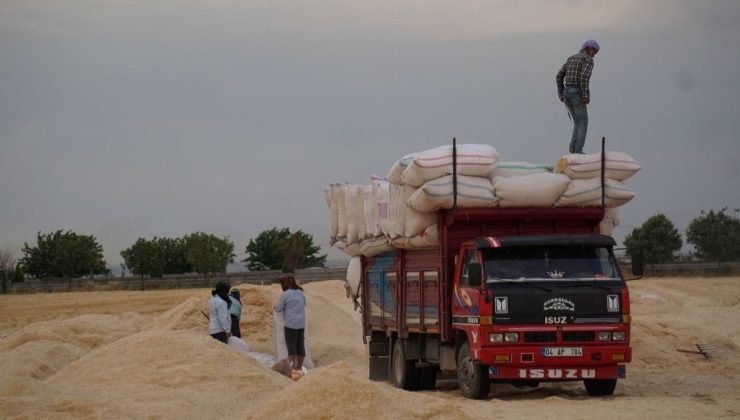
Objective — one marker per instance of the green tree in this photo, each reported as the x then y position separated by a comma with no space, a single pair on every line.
279,249
207,253
174,255
156,257
63,254
7,268
715,236
657,239
143,258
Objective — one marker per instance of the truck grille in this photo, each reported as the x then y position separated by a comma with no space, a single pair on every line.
552,337
540,337
571,336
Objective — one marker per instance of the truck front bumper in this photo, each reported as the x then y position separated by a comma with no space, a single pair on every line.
556,373
538,362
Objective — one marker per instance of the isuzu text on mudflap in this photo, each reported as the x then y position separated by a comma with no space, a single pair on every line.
517,295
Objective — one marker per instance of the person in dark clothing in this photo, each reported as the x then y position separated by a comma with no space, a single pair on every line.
236,312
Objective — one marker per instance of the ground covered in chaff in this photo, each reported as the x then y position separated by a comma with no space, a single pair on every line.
147,354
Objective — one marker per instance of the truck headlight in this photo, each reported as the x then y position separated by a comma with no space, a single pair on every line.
605,336
511,337
618,336
496,338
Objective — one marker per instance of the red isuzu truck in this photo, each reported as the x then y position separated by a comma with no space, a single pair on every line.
510,295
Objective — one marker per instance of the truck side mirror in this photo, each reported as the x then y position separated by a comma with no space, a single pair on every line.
638,265
474,274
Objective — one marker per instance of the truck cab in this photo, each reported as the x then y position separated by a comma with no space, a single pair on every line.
537,308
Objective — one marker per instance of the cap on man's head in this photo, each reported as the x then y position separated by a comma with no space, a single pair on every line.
235,291
591,44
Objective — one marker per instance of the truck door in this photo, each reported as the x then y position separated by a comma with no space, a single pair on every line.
465,299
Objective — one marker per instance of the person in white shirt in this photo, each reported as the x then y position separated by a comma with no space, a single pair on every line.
218,312
292,303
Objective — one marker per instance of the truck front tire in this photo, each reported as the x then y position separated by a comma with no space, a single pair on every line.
471,375
600,387
404,373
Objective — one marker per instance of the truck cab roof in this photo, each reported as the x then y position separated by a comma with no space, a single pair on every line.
543,240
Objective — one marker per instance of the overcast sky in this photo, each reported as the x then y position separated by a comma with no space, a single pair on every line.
138,118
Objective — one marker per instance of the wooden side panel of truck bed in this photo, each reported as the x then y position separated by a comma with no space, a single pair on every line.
409,290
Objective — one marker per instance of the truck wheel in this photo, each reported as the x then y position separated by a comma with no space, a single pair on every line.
471,375
404,373
428,377
599,387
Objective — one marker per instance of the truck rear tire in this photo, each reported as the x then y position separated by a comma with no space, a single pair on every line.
404,373
428,377
600,387
471,375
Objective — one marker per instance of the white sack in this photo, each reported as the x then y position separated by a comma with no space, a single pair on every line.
394,174
618,165
341,212
610,221
472,160
352,249
375,246
415,221
354,273
397,215
427,239
351,213
538,190
438,194
331,201
504,168
372,224
281,349
382,193
587,192
361,218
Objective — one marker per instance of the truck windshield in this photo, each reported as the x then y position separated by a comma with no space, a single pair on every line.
549,263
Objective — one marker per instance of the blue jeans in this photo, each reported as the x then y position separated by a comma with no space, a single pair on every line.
577,110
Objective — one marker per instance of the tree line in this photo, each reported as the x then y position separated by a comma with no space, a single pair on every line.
714,235
68,255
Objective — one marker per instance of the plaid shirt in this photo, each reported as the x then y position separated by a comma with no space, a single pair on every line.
576,72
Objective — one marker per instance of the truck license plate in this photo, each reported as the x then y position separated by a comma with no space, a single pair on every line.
562,351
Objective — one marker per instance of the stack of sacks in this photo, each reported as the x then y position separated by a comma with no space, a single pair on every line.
584,170
421,183
400,211
357,214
